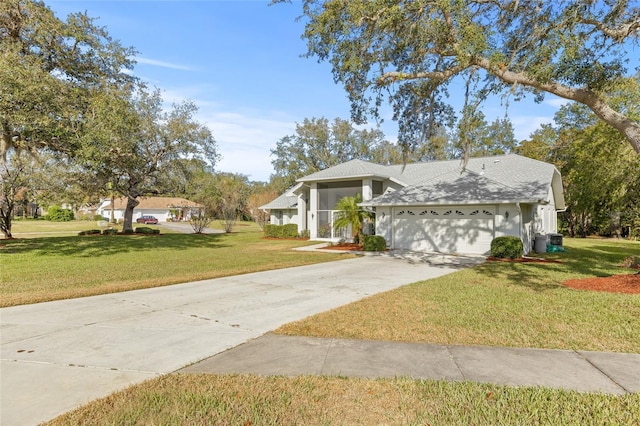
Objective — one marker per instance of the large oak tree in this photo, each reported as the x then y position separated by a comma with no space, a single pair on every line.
409,51
131,143
49,69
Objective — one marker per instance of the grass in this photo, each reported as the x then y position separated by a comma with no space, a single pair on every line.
251,400
501,304
29,228
60,267
492,304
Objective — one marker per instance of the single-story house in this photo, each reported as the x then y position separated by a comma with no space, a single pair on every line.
165,209
432,207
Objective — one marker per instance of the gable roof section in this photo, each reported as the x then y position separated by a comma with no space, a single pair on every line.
457,188
354,169
283,202
504,178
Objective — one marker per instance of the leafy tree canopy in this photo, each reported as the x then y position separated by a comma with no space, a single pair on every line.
600,171
49,69
131,143
408,52
319,144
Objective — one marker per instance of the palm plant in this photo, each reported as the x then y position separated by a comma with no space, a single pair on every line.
350,214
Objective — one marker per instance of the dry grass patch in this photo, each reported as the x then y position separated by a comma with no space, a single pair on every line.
252,400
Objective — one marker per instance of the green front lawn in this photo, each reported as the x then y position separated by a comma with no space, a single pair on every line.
501,304
59,267
492,304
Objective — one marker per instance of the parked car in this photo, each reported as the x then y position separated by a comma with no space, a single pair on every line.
147,220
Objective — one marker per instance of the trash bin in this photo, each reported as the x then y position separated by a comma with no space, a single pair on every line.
540,244
555,239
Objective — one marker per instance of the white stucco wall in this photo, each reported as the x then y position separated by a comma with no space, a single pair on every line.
507,221
383,223
284,217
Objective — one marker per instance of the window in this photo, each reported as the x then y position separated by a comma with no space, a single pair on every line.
377,188
330,193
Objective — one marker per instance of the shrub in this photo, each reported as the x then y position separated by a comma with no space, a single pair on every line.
273,231
146,230
631,262
290,230
507,247
374,243
127,231
58,214
304,233
90,232
109,231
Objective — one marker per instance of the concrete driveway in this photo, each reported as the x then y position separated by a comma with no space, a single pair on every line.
59,355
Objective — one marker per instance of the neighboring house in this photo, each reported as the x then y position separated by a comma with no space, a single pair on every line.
435,206
165,209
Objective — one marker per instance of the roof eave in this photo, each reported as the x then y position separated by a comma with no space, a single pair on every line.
342,178
449,203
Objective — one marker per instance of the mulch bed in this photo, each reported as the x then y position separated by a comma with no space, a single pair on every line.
344,247
624,283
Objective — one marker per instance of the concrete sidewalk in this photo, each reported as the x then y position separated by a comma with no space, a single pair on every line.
584,371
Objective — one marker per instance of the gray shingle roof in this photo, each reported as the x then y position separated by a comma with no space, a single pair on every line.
282,202
350,169
461,188
502,178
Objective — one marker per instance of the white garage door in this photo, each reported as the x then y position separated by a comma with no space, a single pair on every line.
444,229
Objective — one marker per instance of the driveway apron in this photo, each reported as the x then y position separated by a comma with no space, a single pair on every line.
59,355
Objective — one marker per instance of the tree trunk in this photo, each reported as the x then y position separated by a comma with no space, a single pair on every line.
629,128
113,208
5,220
132,202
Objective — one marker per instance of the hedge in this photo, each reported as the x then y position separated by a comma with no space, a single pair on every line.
374,243
281,231
146,230
290,230
90,232
507,247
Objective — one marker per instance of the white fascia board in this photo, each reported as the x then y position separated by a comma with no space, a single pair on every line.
558,191
294,190
449,203
399,182
341,178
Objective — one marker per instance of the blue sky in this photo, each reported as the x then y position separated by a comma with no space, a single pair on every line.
240,62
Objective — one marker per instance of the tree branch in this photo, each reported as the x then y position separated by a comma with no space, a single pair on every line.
619,33
599,106
394,76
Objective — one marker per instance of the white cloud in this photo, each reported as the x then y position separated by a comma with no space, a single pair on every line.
556,102
245,140
524,125
163,64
